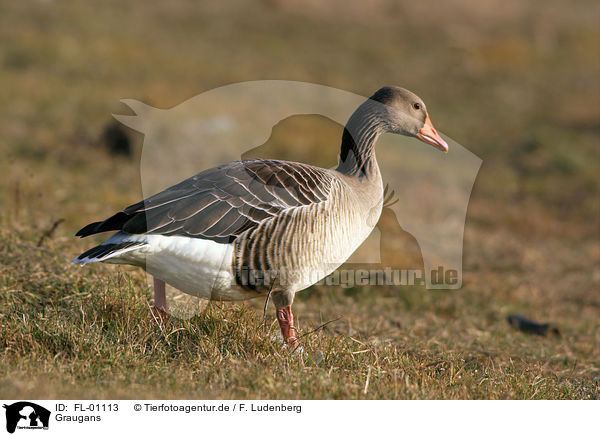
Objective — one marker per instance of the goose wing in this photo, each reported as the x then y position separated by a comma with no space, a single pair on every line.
222,202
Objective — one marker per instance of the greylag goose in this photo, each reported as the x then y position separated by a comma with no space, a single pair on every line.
264,227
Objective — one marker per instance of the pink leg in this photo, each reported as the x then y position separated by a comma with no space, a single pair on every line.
286,324
160,296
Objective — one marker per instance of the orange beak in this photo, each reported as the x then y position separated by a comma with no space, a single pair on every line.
429,135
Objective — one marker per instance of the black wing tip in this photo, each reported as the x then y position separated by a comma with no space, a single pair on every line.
88,230
115,222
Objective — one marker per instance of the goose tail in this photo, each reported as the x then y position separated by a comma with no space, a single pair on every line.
107,251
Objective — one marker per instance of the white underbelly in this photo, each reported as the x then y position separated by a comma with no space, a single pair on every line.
198,267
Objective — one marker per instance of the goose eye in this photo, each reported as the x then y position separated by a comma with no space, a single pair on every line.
417,106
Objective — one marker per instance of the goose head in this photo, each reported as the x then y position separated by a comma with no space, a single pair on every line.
402,112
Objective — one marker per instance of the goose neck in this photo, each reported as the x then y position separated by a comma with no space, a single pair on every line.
357,153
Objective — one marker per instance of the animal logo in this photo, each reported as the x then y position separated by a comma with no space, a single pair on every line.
432,189
26,415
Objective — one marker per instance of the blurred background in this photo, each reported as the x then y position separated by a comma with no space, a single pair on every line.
516,82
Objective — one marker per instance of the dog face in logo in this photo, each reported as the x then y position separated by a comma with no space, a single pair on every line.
27,414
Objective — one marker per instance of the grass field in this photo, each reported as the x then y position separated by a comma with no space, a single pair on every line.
515,82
